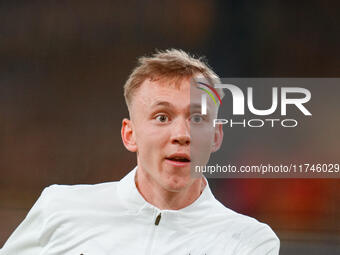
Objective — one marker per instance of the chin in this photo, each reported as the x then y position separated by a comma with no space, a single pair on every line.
176,184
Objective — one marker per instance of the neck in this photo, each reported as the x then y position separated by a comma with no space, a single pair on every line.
164,199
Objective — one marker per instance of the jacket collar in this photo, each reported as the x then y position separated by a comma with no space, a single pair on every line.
135,202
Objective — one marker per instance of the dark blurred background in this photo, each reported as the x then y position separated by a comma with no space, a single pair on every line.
63,65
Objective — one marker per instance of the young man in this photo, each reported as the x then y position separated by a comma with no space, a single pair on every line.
159,207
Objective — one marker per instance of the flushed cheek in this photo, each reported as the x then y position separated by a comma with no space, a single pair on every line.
152,151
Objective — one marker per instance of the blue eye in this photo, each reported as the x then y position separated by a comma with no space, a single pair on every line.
196,118
162,118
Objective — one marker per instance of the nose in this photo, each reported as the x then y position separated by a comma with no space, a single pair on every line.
181,132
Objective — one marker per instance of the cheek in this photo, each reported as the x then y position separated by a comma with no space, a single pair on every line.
202,136
151,139
201,145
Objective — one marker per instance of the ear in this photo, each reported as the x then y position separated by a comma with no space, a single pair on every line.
218,138
128,135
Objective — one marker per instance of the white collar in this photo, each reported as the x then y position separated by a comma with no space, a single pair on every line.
135,202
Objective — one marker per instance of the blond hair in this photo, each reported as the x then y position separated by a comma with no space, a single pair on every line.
170,64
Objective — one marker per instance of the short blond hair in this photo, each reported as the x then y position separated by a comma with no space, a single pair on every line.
171,63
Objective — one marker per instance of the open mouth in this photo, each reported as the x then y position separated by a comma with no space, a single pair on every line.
178,159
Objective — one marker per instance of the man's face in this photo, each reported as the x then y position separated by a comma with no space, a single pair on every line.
169,133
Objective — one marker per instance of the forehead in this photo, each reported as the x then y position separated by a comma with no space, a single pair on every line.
151,91
186,86
178,94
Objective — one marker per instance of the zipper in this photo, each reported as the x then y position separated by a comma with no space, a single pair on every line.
158,219
153,235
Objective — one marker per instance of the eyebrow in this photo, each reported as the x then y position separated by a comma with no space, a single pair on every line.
192,107
161,103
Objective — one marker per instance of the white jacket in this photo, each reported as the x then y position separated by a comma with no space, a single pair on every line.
113,218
